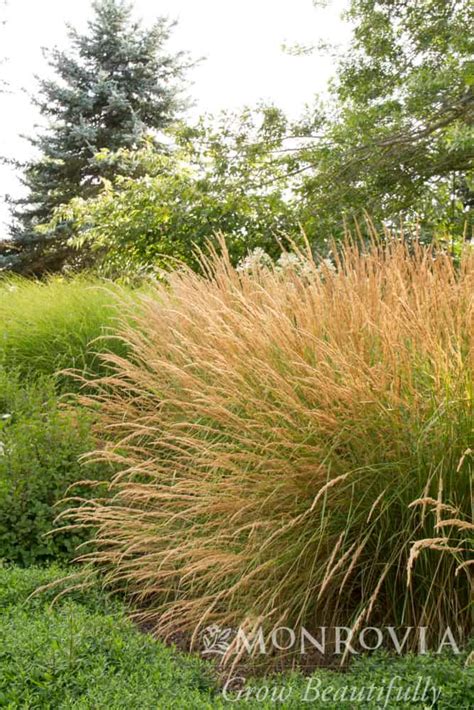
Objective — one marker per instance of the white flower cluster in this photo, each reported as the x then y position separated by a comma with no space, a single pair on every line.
295,262
258,259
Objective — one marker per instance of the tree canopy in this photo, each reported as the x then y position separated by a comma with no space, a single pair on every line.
220,176
114,84
393,139
396,138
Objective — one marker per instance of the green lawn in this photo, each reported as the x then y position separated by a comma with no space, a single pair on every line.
84,653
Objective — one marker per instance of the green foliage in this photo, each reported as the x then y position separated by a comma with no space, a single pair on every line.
396,138
56,324
331,690
114,84
393,139
39,449
45,327
219,178
84,653
18,584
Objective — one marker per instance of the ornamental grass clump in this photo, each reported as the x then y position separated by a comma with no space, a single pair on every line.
47,326
272,429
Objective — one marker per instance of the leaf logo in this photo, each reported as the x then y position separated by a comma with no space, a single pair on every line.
216,640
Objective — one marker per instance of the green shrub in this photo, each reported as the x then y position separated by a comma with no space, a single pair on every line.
273,429
223,178
49,326
39,448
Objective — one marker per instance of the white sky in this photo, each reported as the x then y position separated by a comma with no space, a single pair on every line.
240,39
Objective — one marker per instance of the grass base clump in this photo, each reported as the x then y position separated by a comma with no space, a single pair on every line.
272,429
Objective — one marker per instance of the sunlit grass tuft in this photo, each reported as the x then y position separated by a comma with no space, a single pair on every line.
272,429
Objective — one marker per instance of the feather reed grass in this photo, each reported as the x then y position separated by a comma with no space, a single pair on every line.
271,429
